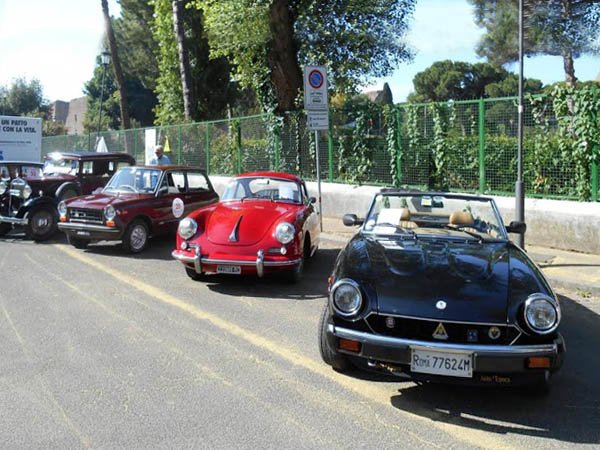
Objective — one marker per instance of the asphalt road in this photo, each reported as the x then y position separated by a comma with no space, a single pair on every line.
104,350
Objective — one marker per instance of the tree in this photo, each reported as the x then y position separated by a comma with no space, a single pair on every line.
189,103
22,98
566,28
456,80
116,64
268,41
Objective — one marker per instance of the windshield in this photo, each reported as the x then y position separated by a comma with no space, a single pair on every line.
134,179
418,214
60,166
19,170
266,188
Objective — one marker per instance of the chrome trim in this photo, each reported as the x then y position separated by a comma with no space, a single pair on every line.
479,350
250,263
489,324
260,263
14,220
555,305
356,286
234,235
68,226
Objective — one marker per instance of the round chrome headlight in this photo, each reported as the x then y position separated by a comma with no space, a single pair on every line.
27,191
62,208
109,212
3,187
187,228
346,297
542,314
284,232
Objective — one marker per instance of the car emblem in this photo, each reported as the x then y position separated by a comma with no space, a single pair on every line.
440,332
441,304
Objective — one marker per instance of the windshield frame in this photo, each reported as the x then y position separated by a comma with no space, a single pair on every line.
108,189
301,196
409,232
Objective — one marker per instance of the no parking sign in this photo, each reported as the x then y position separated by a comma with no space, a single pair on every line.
315,88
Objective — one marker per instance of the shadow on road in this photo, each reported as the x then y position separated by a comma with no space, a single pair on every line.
159,248
570,413
313,285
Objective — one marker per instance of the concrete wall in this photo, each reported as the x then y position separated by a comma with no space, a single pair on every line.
565,225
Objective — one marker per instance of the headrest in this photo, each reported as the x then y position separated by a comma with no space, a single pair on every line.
461,218
404,214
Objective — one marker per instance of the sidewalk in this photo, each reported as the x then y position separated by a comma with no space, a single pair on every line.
578,272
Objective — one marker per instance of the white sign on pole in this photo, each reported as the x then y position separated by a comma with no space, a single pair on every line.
317,120
150,144
20,138
315,88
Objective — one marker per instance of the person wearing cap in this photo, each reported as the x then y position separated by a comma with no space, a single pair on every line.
160,159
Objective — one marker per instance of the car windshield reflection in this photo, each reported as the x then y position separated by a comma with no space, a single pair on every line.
263,188
134,179
60,166
434,215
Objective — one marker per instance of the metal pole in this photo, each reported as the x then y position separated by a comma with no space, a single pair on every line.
101,99
519,185
319,180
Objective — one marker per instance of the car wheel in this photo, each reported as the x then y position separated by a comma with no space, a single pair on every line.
4,228
543,385
136,236
78,243
69,193
194,275
329,354
296,274
42,223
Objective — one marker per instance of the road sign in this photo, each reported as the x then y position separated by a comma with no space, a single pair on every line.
317,120
315,88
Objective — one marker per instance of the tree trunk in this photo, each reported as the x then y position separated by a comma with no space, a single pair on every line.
189,103
282,56
567,52
116,63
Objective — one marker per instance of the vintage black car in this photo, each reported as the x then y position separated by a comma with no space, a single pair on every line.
30,199
432,289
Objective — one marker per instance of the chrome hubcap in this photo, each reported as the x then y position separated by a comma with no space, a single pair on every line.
42,222
138,237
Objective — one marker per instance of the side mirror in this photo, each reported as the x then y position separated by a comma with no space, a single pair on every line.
516,227
312,200
351,220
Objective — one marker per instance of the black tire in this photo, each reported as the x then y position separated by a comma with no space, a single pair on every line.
4,228
68,193
329,354
543,385
42,223
78,243
297,273
195,276
136,237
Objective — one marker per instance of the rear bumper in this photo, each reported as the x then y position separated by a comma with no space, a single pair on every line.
489,361
203,265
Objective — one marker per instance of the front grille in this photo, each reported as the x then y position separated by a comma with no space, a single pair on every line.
423,330
85,215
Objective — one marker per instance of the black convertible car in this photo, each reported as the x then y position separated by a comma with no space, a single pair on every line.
432,289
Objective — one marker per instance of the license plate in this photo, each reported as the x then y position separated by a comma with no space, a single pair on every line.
231,270
442,363
83,233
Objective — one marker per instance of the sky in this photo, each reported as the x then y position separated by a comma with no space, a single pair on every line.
57,42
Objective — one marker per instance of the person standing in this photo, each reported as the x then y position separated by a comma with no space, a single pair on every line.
160,158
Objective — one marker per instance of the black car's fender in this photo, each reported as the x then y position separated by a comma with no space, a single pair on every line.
36,202
67,186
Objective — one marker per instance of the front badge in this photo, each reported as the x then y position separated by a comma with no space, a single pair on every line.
440,333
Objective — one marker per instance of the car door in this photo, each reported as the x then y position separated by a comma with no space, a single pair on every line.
170,201
199,191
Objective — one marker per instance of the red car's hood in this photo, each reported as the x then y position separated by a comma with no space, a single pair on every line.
255,220
100,201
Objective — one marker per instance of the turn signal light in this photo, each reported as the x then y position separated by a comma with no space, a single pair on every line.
63,218
110,223
538,362
349,345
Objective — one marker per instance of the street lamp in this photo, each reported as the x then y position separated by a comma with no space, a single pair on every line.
105,61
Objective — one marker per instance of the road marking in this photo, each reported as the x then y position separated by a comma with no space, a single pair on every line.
83,439
369,391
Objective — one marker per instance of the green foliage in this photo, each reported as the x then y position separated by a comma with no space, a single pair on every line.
22,98
390,115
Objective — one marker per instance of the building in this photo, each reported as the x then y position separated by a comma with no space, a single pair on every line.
71,114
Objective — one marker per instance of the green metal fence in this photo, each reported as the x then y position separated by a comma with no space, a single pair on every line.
468,146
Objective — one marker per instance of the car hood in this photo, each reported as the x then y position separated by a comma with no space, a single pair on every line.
42,183
412,276
252,220
101,200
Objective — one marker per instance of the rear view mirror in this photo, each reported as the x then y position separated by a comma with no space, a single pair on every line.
351,220
313,200
517,227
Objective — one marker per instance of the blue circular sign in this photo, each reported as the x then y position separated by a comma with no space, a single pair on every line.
315,79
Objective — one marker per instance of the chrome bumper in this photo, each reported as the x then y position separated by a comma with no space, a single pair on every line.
69,226
259,263
508,358
14,220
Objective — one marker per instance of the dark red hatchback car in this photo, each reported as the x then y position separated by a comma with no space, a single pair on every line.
137,203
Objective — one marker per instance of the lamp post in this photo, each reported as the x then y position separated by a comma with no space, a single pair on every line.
520,185
105,61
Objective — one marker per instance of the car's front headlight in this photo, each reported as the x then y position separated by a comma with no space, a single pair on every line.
346,297
27,191
3,187
62,208
187,228
542,313
284,232
109,212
